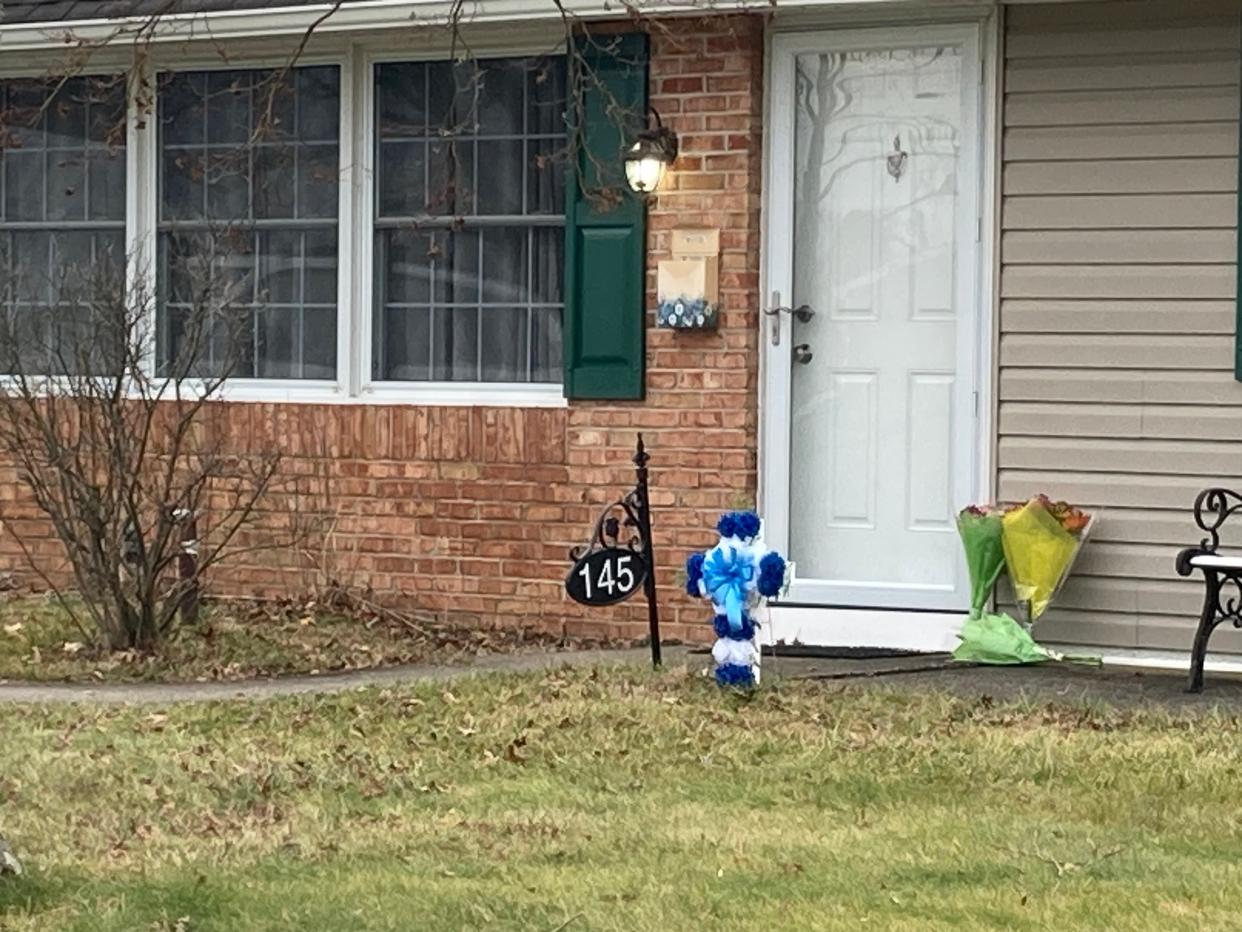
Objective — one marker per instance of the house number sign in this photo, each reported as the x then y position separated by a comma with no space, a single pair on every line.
605,577
618,560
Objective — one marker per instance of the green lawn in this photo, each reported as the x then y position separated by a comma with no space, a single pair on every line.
619,800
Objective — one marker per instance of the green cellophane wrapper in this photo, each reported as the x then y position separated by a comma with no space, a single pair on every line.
982,538
998,639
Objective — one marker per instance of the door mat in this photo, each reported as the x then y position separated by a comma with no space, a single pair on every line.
839,653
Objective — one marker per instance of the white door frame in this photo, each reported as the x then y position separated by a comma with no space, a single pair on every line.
892,625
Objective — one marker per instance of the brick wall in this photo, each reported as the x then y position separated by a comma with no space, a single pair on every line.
470,512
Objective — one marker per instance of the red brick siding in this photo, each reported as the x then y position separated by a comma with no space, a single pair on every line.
470,512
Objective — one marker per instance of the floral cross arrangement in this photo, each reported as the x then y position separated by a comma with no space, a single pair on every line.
736,575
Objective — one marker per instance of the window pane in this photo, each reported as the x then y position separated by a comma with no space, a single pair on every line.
105,111
319,283
404,352
504,264
548,266
25,114
405,258
545,345
401,99
501,106
451,177
455,345
275,170
31,269
402,179
319,343
504,345
546,97
228,184
239,147
23,185
106,178
182,108
318,183
280,267
66,121
279,338
229,106
500,186
451,93
318,103
455,267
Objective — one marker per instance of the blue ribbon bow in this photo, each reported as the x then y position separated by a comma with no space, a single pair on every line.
727,577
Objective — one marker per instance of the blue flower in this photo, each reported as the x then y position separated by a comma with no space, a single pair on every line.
694,573
727,525
735,675
720,624
747,524
771,575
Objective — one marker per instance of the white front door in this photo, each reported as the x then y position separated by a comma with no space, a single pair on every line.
871,371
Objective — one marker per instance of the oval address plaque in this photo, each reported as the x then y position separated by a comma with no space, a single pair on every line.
606,576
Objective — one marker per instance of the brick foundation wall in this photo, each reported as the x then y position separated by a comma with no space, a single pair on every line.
470,512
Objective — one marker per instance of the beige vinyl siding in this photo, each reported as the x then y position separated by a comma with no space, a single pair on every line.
1118,294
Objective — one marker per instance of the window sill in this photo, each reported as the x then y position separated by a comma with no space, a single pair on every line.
466,394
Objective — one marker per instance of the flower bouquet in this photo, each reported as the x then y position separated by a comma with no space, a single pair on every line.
1042,539
1037,542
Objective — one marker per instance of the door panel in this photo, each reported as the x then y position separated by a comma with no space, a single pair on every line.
879,382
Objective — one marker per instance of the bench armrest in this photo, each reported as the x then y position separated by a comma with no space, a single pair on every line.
1212,508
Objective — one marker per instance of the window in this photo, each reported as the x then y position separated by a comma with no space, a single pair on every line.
249,165
259,195
62,219
469,220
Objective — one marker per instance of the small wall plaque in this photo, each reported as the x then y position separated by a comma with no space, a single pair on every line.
688,284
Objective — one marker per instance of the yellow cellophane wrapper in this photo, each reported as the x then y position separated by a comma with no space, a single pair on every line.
1037,553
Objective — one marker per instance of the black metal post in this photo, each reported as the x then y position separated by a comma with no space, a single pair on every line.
644,519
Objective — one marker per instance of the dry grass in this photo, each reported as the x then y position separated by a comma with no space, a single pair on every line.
236,640
619,800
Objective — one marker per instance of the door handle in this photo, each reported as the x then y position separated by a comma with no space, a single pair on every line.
802,313
802,353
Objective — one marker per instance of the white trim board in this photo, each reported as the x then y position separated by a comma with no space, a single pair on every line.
227,25
1139,658
926,632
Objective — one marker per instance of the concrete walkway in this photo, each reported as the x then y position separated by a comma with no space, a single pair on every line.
1059,683
165,693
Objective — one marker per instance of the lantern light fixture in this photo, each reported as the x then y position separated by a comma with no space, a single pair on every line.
649,156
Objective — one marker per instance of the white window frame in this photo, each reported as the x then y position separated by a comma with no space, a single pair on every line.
355,216
524,394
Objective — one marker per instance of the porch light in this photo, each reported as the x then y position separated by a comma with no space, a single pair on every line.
650,155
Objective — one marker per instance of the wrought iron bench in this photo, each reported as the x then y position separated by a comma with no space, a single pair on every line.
1222,574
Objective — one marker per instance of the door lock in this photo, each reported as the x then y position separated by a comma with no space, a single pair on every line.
802,353
802,314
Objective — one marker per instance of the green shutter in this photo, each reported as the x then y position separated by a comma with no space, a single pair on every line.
605,224
1237,319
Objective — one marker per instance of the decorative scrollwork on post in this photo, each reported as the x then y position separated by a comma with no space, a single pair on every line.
618,527
1212,508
